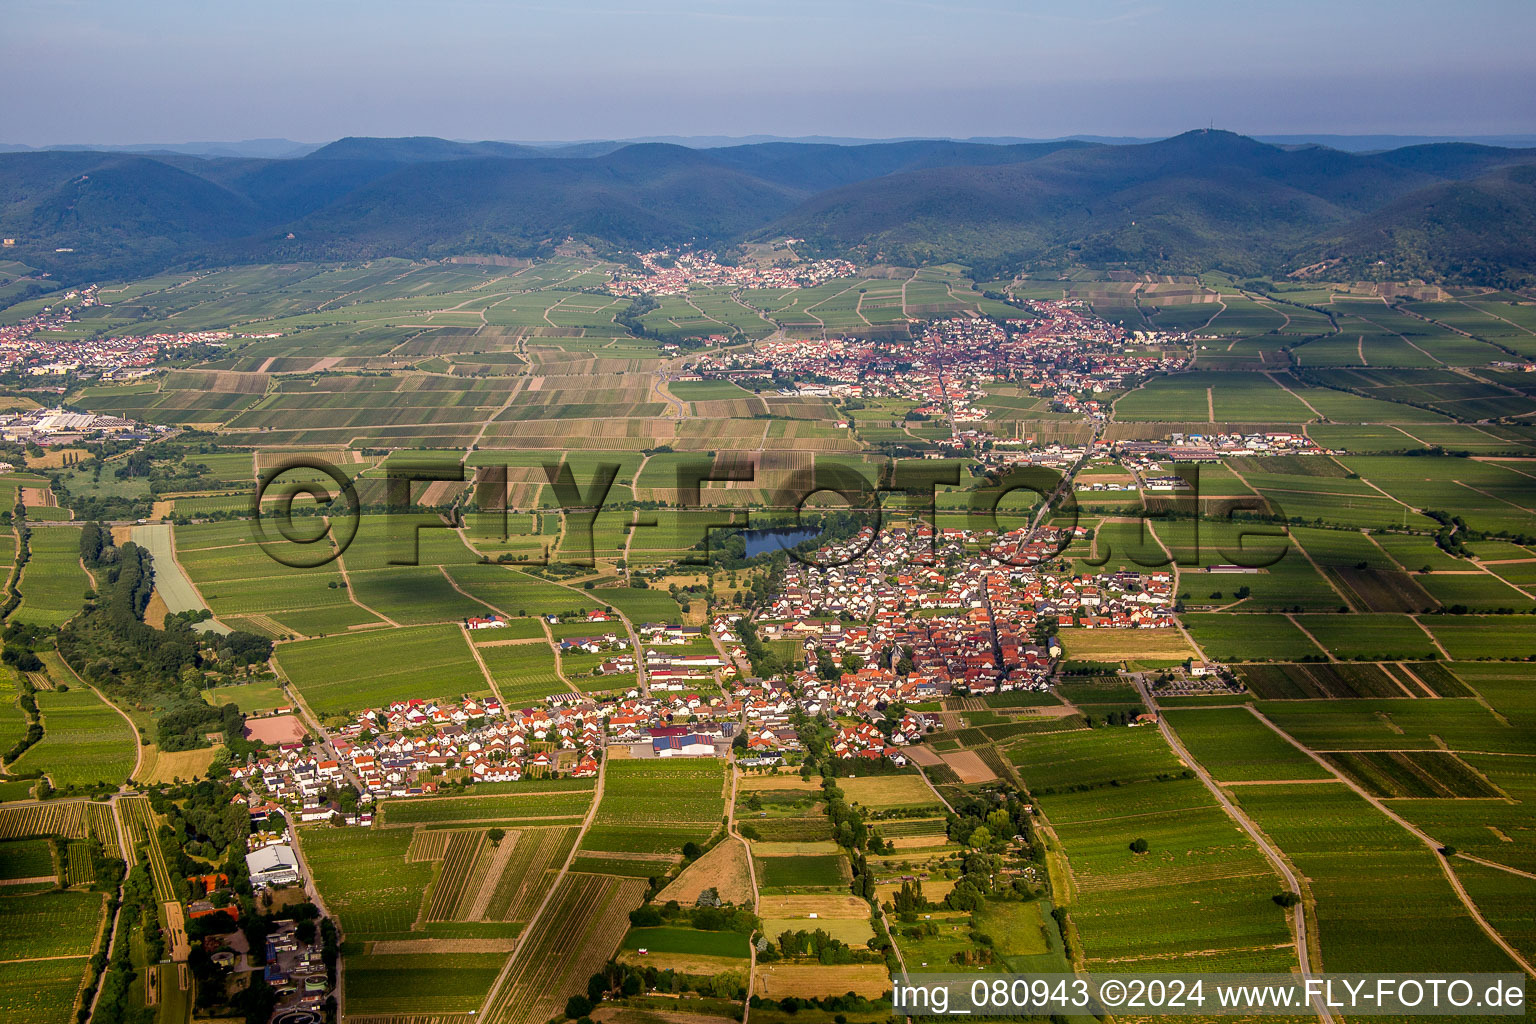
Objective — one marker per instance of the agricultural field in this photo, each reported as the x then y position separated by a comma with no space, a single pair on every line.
1421,774
650,808
1197,860
1382,902
1400,658
47,937
367,880
523,673
247,587
25,858
586,920
723,868
85,742
420,983
368,670
884,792
1234,746
41,990
53,584
501,807
1323,680
797,872
1256,637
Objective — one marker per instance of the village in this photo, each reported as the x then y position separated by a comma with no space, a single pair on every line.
670,272
1065,356
27,348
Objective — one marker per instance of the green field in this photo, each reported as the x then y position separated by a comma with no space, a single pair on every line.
1234,746
420,983
805,872
367,670
1199,895
85,742
503,807
655,806
53,585
687,940
365,878
1382,902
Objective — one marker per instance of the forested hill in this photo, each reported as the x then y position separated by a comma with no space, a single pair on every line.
1450,212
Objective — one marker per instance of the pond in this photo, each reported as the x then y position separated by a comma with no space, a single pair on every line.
780,538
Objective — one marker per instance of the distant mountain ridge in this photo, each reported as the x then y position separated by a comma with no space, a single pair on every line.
1201,200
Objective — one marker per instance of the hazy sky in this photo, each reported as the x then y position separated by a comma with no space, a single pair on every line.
120,71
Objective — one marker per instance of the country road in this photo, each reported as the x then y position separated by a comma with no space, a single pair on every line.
1271,852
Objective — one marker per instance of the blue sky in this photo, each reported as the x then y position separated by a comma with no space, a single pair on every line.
174,70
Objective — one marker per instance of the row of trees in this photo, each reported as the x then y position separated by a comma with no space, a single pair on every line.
165,670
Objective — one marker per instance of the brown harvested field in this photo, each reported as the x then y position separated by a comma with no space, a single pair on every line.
57,458
853,931
276,730
814,848
934,889
723,869
921,754
775,981
441,492
910,842
156,611
879,792
1124,644
764,783
176,932
969,766
830,905
168,766
38,497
